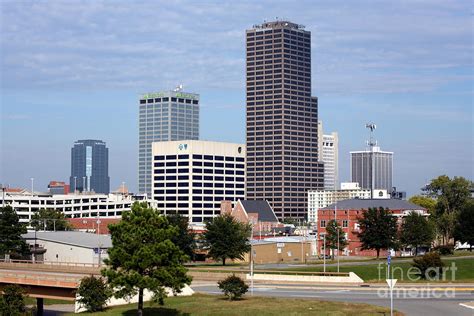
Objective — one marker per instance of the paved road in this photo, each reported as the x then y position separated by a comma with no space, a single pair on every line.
343,262
409,300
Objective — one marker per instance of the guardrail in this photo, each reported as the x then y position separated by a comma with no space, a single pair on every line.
55,263
60,267
279,272
48,277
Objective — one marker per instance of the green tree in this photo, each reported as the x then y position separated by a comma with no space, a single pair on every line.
12,301
11,229
450,195
464,231
144,257
227,238
186,238
332,236
378,229
49,219
424,201
416,231
93,293
233,287
430,266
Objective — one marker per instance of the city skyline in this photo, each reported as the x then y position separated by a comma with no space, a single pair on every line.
386,72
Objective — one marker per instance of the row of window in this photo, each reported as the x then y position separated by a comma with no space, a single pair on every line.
205,171
207,198
205,157
199,164
158,100
323,223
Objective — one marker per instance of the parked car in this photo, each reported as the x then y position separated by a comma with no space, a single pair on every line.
321,256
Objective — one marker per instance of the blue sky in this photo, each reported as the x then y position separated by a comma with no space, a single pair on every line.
74,69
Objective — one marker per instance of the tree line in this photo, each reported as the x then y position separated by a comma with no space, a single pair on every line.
451,219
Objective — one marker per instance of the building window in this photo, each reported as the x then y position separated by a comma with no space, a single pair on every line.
345,223
323,223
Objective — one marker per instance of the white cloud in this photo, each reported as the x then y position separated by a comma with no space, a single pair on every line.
371,47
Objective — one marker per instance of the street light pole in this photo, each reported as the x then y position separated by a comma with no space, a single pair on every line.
324,251
251,260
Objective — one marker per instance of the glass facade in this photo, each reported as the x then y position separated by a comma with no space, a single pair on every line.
372,169
90,166
164,116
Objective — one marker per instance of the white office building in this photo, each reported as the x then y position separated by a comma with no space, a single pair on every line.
192,177
26,203
329,154
318,199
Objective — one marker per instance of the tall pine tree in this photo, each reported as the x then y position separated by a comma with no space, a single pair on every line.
144,257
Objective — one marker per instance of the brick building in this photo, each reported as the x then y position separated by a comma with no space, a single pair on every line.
257,212
347,213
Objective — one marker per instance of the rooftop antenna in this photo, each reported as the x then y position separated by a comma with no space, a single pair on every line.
178,88
371,142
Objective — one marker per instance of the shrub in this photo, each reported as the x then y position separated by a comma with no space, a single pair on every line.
430,266
233,287
12,302
445,250
93,293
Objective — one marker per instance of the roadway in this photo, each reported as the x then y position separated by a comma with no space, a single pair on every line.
411,299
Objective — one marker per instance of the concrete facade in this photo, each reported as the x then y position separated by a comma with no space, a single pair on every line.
282,118
329,154
85,205
192,177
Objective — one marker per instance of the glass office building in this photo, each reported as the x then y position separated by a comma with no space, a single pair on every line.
372,168
90,166
164,116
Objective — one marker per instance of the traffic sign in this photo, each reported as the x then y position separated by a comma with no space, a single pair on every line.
389,258
391,283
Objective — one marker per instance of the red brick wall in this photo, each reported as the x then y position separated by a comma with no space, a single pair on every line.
351,216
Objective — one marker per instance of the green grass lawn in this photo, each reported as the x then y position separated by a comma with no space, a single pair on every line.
371,272
203,305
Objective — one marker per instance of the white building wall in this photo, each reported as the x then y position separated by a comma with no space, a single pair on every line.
318,199
192,177
58,252
72,205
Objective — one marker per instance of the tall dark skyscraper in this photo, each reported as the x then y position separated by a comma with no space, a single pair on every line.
282,118
90,166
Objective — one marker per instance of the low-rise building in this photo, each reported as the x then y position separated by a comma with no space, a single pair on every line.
69,246
83,205
347,214
282,250
318,199
259,213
